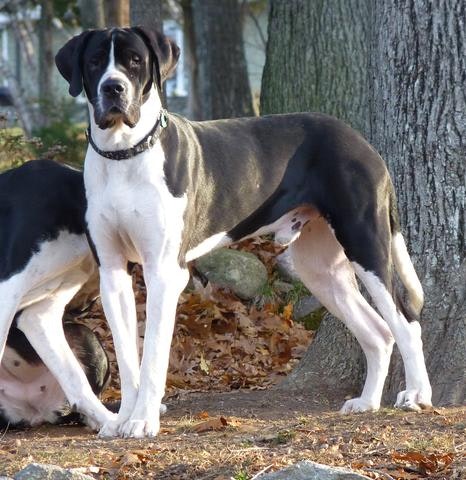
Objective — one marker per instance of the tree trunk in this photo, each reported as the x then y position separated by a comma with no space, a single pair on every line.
194,102
419,126
46,63
116,13
91,13
147,13
22,108
317,60
405,91
223,80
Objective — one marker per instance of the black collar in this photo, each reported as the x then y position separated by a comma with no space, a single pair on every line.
147,142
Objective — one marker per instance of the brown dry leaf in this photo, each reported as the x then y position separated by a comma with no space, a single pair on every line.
202,415
424,463
215,424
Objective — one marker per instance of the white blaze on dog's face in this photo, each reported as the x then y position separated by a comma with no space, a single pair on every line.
117,69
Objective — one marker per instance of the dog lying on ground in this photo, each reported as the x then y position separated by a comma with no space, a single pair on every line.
30,394
45,260
162,191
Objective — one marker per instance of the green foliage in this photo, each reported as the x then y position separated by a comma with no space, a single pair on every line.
15,149
298,292
241,475
313,320
63,139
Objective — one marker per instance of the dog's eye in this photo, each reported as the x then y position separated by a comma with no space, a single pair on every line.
95,61
135,59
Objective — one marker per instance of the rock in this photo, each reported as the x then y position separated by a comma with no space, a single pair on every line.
242,272
285,266
40,471
313,471
305,306
5,478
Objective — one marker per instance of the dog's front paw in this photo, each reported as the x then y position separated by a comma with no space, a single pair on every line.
358,404
97,423
414,400
110,429
139,428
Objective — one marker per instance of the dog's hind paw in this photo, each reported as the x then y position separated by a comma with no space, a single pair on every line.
139,428
413,400
358,404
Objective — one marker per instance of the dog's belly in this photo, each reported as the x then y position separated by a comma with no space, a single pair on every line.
28,392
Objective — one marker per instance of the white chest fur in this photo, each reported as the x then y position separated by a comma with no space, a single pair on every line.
129,202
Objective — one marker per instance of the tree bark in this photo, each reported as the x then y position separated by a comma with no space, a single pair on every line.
117,13
317,60
22,108
405,91
92,14
46,63
147,13
222,73
419,125
194,102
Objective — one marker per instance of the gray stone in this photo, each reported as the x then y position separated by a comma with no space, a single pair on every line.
40,471
5,478
313,471
285,266
306,305
241,272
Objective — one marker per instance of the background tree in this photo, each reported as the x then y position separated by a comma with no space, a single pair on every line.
408,100
221,66
91,14
147,13
116,13
46,63
317,60
419,124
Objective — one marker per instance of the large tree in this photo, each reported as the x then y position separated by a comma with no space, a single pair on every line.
418,118
394,70
221,66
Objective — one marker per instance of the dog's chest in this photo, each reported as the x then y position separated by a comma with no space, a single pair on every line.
131,197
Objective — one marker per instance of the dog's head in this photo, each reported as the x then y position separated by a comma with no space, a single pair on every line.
117,68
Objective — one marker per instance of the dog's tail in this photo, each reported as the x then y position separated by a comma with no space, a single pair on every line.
404,266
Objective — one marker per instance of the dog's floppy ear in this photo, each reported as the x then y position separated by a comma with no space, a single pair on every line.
164,50
68,61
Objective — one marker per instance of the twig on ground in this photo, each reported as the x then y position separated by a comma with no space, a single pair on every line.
258,474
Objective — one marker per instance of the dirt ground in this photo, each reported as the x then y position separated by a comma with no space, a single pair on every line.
237,435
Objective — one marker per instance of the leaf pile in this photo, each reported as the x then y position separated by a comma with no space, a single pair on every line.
220,342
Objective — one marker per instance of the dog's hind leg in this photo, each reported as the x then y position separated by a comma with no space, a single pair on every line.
418,392
370,244
322,265
10,299
42,324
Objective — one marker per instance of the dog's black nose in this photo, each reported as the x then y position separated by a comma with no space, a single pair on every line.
113,88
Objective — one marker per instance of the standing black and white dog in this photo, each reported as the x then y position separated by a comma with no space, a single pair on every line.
162,191
44,261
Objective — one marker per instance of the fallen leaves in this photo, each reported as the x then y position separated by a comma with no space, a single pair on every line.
219,341
425,464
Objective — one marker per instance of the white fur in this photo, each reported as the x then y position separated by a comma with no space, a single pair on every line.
418,391
28,393
48,282
133,216
215,241
113,73
405,269
322,265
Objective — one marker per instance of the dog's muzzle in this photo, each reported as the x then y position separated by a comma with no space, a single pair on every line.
115,105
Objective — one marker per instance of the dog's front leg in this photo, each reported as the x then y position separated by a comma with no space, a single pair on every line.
120,311
164,284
